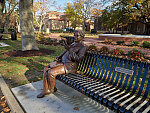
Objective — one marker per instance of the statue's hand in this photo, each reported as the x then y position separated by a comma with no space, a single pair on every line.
67,47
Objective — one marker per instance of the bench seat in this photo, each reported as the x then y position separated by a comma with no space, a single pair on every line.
120,84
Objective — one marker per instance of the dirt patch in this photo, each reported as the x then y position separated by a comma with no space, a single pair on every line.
29,53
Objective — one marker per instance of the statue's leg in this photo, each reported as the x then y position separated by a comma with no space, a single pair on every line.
46,83
49,78
52,75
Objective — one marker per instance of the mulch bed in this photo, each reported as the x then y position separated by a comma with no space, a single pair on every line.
29,53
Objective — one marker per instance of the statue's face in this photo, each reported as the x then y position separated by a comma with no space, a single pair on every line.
77,37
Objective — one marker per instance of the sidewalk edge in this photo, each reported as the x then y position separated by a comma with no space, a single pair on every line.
11,100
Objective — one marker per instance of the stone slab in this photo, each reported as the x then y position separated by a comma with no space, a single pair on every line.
65,100
3,44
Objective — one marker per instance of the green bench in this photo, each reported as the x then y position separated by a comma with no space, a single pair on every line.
120,84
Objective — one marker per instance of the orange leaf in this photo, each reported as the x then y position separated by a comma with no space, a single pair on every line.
76,108
3,98
6,109
3,104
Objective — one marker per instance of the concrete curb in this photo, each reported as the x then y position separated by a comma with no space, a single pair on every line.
11,100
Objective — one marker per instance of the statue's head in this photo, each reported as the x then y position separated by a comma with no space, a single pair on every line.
79,35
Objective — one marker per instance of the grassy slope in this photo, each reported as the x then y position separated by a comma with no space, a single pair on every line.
21,70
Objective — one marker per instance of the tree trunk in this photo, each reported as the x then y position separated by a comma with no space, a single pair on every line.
40,27
18,27
83,26
2,3
116,28
122,29
6,24
26,25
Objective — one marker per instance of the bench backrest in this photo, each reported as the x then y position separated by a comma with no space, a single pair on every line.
129,75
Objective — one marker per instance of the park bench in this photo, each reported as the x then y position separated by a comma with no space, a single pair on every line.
120,84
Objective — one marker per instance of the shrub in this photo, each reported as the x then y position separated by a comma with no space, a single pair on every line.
135,43
60,41
146,44
104,50
136,54
107,41
41,38
92,47
120,42
117,51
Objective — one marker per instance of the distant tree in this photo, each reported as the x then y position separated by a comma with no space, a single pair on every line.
2,4
9,6
82,10
16,16
73,15
40,8
26,23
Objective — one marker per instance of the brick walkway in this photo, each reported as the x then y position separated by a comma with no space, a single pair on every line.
96,41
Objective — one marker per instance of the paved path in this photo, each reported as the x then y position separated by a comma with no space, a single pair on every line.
97,42
65,100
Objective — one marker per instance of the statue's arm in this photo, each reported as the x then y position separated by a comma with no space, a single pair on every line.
78,56
61,55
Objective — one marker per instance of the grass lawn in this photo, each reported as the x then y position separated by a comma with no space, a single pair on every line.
21,70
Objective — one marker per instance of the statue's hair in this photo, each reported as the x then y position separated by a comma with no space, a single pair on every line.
81,33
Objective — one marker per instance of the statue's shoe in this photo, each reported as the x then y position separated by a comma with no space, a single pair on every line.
42,94
55,89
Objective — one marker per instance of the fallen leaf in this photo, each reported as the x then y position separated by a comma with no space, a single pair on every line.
140,101
3,104
74,97
6,109
76,108
3,98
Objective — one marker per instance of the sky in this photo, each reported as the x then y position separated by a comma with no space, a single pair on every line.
62,3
